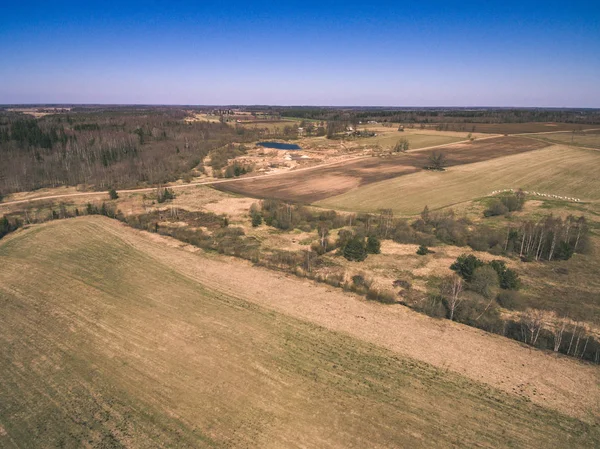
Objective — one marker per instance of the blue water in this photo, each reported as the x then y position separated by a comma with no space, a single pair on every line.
280,146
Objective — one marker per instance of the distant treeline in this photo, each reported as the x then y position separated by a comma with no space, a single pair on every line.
439,115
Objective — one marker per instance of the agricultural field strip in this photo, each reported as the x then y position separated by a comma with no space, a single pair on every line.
547,379
218,181
537,170
552,132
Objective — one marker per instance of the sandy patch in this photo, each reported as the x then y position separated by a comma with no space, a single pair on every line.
233,207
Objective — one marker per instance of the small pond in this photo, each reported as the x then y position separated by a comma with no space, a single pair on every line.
280,145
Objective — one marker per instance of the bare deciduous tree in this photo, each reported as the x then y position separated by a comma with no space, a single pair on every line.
533,322
451,289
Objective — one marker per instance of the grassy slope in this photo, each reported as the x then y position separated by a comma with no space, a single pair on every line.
556,170
102,345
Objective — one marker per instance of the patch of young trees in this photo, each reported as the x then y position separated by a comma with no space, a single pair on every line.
401,146
506,203
164,194
496,273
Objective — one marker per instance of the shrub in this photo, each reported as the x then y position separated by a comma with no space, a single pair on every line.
401,283
484,281
256,220
495,208
360,283
401,146
509,299
509,279
423,250
465,265
513,201
355,250
112,193
373,245
165,195
433,306
384,297
478,314
563,251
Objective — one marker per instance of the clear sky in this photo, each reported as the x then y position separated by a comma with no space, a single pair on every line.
417,53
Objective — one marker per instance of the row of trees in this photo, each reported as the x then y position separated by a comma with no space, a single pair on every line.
550,238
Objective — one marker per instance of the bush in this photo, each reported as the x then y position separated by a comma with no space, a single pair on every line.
484,281
496,208
509,279
373,245
513,201
165,195
465,265
112,193
563,251
401,146
384,297
433,306
360,284
478,314
423,250
509,300
355,250
505,204
7,226
256,220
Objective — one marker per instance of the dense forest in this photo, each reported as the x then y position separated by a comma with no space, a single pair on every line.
106,148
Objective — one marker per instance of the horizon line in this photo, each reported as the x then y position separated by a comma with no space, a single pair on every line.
4,105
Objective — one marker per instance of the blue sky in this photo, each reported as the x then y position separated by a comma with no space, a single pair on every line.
302,53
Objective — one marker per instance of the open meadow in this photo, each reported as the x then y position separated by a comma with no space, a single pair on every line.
113,339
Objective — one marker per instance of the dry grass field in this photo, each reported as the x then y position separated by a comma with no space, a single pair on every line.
320,183
111,339
558,170
416,139
517,128
589,139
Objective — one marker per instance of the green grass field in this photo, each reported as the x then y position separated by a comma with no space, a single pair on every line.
101,345
558,170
